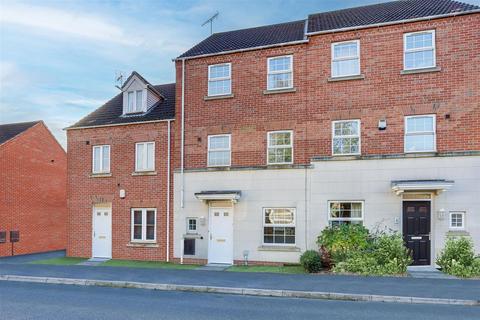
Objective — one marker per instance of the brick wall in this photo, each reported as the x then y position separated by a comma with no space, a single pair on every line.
85,191
384,93
33,192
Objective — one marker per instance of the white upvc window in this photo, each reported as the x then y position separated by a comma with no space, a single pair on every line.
279,226
346,58
345,212
280,73
219,150
280,147
457,220
192,225
220,79
144,225
101,159
134,101
419,50
145,156
346,137
420,133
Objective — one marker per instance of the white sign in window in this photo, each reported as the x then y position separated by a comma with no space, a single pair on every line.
280,73
346,137
457,220
345,212
145,156
420,133
279,226
144,224
219,150
101,159
280,147
220,79
346,58
419,50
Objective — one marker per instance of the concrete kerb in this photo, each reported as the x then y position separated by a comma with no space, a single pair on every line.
241,291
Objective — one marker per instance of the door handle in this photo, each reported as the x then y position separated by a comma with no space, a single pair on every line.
211,236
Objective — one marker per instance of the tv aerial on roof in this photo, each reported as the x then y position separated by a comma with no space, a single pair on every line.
119,76
210,20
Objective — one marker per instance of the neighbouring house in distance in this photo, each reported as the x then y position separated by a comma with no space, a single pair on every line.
33,189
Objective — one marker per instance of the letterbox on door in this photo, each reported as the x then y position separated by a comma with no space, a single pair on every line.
14,236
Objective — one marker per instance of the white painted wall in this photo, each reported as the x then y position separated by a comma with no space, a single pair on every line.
367,180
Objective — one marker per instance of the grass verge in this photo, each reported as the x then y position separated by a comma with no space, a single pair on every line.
146,264
273,269
65,261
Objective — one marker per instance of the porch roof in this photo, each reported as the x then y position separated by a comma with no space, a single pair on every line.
209,195
437,185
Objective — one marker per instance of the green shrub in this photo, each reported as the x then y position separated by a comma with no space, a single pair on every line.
458,258
386,255
341,241
310,260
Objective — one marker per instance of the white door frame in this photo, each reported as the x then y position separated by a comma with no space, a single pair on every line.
95,209
210,210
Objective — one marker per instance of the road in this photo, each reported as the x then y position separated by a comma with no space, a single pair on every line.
46,301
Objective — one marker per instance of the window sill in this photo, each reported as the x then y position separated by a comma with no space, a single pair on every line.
457,233
143,245
279,165
279,248
346,78
144,173
100,175
223,96
424,70
275,91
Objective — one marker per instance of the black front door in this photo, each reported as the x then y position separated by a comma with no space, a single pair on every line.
416,230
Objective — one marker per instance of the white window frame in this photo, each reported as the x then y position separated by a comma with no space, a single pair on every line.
280,225
229,64
280,72
224,149
101,159
405,50
359,136
420,133
137,169
144,225
142,105
451,213
330,219
333,59
280,147
188,225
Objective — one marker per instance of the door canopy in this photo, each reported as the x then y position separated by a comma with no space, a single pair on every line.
437,186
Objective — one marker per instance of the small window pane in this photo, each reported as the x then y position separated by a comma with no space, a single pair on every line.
137,217
130,98
96,159
150,156
137,232
106,159
150,217
150,232
139,100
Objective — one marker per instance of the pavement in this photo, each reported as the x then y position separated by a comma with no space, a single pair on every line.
48,301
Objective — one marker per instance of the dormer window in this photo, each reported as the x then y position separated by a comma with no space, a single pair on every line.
134,101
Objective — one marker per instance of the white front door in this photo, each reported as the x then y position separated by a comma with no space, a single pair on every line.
220,244
102,233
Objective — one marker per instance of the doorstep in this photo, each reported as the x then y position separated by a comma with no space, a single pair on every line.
427,272
214,267
93,262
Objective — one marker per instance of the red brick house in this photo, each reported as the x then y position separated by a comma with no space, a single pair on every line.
33,199
365,115
118,175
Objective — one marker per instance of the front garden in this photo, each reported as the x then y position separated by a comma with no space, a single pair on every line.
353,249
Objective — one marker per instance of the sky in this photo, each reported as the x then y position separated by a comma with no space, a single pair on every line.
59,58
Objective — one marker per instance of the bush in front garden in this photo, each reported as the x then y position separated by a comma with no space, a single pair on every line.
339,242
458,258
385,255
310,261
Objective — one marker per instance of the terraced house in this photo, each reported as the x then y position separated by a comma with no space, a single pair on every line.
366,115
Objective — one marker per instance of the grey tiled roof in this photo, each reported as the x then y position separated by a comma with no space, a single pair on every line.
111,112
249,38
388,12
383,13
10,130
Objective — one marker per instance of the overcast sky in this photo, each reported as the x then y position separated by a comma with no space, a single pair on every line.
58,59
